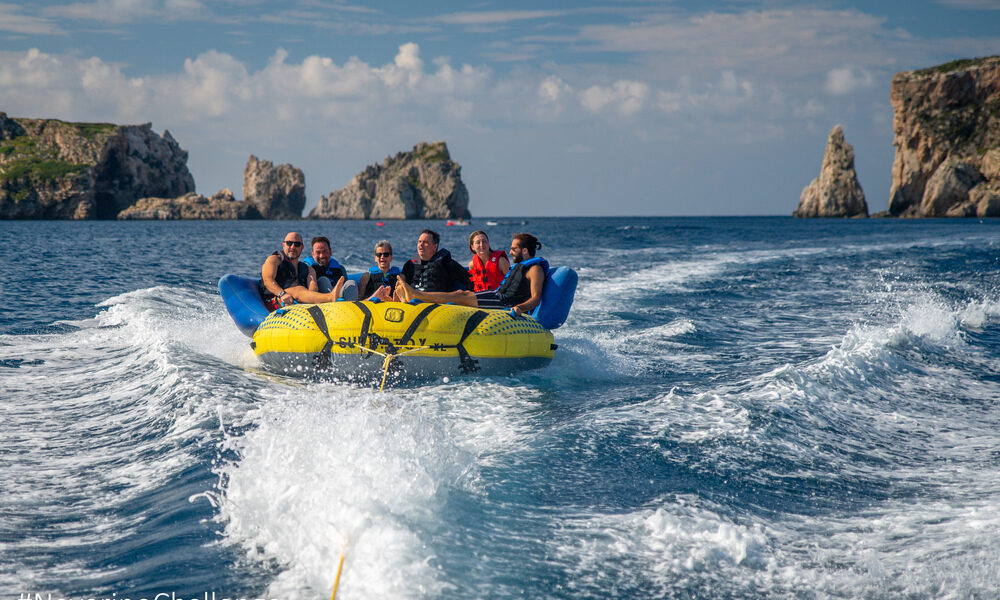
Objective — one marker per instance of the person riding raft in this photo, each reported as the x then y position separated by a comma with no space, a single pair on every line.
521,290
488,266
382,274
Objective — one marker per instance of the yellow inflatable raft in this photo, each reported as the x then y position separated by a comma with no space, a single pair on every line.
368,340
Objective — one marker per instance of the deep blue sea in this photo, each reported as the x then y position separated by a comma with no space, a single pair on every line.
738,408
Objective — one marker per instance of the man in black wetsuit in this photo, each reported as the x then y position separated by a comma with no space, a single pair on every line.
521,290
284,279
433,269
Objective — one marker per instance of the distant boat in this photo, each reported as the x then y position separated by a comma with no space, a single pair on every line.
458,223
491,223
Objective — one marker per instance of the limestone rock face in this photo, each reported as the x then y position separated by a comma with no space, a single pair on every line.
277,192
947,138
51,169
421,184
222,205
836,192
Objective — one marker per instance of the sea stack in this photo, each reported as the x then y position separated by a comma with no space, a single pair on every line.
421,184
946,128
836,192
277,192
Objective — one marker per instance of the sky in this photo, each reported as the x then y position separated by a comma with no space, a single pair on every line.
588,108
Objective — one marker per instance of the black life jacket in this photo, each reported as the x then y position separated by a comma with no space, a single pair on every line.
286,277
433,275
516,287
376,279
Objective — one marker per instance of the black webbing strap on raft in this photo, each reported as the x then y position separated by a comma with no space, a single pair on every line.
416,323
322,360
366,323
469,364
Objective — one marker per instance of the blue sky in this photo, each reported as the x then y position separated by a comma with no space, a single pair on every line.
618,107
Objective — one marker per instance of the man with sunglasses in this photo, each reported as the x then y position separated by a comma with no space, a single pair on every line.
284,279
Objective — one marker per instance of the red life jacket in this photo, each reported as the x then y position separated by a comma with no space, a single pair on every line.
486,277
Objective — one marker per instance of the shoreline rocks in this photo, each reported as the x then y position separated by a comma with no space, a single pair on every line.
222,205
423,183
836,192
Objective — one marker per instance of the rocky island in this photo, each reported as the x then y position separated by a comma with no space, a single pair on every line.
421,184
51,169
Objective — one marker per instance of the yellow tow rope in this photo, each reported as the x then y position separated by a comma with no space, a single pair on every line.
336,582
388,359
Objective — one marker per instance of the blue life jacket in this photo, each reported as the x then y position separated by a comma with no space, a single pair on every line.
376,279
333,271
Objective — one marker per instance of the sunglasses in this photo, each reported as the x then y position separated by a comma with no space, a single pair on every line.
382,254
293,244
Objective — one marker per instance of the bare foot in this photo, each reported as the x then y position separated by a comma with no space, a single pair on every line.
382,293
402,290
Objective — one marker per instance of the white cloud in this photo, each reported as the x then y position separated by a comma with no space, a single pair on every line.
848,79
496,17
776,43
125,11
626,97
13,21
552,89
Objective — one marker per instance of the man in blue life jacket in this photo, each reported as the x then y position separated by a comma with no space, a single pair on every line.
284,279
328,270
382,275
520,292
433,269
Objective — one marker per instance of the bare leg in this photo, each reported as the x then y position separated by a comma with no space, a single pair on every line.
306,296
407,293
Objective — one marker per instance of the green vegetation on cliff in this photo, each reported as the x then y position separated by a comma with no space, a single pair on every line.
956,65
21,158
435,152
92,130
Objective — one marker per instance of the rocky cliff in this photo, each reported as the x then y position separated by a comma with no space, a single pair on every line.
421,184
51,169
277,192
190,206
836,192
947,139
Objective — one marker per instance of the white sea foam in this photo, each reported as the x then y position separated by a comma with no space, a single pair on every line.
675,545
328,467
105,412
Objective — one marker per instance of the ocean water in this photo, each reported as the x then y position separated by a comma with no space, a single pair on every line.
739,408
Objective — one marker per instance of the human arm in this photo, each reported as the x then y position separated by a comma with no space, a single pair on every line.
503,264
268,272
313,285
536,278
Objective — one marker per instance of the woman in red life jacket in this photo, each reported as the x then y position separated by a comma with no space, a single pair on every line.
488,266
